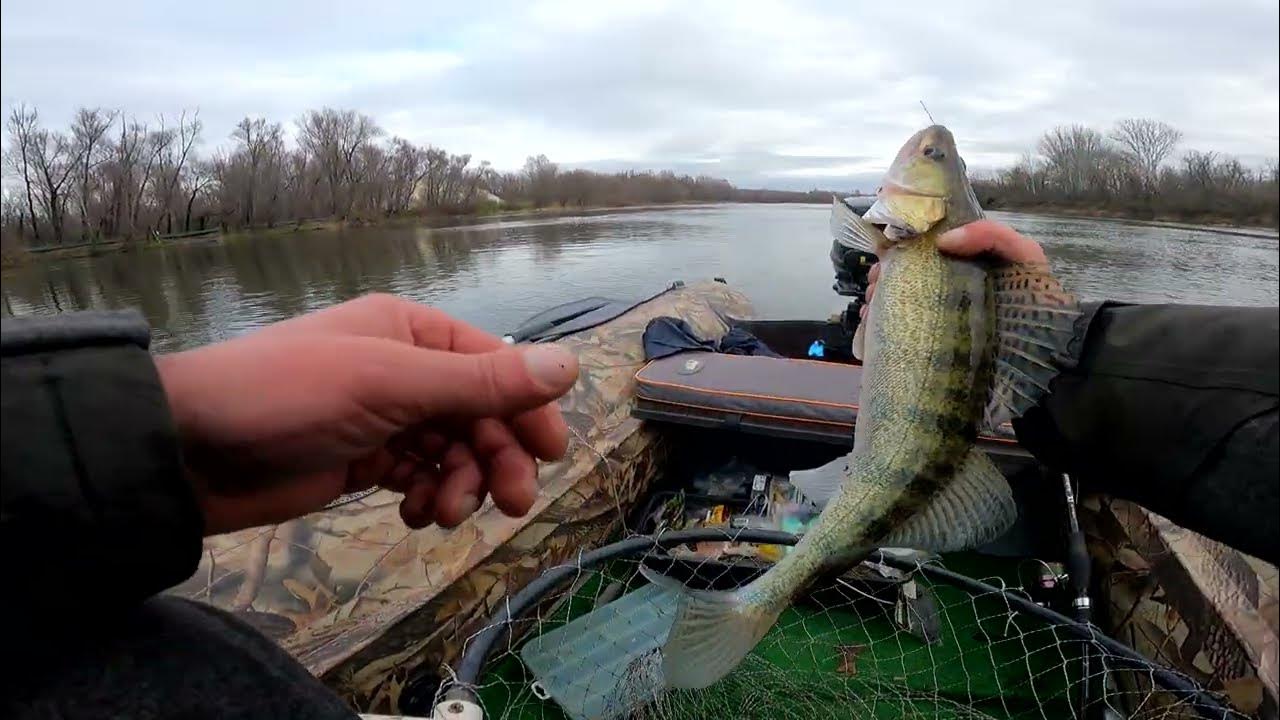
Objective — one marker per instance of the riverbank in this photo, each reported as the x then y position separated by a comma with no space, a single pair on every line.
17,257
1226,224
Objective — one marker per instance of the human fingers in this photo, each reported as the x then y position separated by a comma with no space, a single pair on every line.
988,236
541,428
266,505
370,470
417,507
409,386
511,474
461,488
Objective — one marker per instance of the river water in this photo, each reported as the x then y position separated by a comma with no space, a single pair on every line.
495,275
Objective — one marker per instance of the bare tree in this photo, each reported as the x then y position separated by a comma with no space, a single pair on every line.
437,163
407,167
259,142
1147,143
541,174
1072,153
53,157
332,137
1198,168
89,133
196,177
24,124
121,177
157,145
173,157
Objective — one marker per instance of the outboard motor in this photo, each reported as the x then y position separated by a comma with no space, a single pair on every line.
851,266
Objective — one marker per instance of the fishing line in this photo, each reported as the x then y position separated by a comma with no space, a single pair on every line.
926,112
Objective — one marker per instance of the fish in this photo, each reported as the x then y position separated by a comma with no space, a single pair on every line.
950,346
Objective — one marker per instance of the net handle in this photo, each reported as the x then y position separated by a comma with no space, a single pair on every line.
477,652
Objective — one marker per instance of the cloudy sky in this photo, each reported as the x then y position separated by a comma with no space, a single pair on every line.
773,94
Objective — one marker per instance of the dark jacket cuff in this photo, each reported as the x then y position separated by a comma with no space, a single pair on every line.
96,509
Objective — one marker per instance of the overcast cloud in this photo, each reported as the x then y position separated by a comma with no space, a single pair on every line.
763,93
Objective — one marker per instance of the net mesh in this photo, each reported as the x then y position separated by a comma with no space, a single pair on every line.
873,643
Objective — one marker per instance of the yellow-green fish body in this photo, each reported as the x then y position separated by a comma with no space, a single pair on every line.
932,353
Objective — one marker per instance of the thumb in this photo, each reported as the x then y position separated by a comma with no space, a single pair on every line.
503,383
988,236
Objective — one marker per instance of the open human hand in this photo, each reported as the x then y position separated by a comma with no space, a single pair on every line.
378,391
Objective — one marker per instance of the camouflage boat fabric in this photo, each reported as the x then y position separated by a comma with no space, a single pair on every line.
361,600
1188,603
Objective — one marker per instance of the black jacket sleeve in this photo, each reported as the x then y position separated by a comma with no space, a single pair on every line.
1173,407
96,513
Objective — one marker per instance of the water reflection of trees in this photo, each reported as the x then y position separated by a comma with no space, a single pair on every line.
198,292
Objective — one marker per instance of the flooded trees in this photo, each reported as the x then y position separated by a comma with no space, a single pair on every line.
111,175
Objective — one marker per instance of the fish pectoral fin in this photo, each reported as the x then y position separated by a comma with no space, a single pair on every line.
820,484
913,214
850,230
1035,319
974,508
712,633
859,348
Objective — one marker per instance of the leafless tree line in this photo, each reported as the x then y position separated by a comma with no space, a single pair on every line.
110,175
1133,170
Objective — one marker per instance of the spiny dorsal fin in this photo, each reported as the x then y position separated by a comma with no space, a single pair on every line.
850,230
1035,318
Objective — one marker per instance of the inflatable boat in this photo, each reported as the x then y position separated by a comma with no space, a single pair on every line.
371,607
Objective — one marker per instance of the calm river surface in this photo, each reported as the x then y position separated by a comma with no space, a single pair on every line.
496,275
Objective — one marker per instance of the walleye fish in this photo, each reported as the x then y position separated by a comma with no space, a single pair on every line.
950,346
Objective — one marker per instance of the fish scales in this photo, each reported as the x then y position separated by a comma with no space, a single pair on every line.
935,368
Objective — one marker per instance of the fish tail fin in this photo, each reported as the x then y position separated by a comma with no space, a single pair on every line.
712,633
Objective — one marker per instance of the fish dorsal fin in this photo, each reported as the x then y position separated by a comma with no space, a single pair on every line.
1035,319
973,509
850,230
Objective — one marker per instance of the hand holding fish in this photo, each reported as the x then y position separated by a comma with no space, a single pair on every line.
972,240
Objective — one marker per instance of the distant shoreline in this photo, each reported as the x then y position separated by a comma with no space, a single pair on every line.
1217,224
1222,224
434,222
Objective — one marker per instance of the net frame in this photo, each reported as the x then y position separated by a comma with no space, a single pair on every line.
458,692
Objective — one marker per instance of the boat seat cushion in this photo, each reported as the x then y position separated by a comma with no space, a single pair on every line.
779,397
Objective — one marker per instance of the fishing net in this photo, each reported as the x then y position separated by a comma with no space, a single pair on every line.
888,639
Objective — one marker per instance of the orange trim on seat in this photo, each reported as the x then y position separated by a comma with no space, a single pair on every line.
753,396
852,406
723,411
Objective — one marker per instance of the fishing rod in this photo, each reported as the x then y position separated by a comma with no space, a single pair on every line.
1078,579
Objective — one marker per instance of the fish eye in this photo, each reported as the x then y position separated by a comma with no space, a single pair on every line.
933,152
